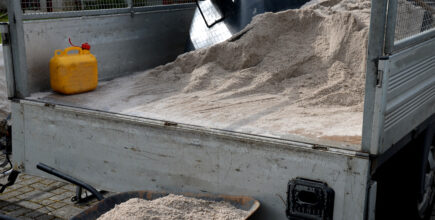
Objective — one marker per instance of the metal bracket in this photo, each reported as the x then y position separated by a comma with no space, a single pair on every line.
4,31
379,76
130,5
371,200
79,198
380,71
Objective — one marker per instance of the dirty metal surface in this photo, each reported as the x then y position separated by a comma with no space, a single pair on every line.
133,153
122,43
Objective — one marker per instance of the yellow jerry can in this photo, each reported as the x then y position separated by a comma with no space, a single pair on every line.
73,73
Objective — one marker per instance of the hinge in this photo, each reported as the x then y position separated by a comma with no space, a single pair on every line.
4,31
380,71
379,76
5,39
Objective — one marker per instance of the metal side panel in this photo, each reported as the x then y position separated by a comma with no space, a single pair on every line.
122,153
408,93
122,43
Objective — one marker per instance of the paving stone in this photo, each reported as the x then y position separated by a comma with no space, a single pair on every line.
14,200
68,200
32,198
19,212
67,211
10,208
30,195
25,189
69,187
58,184
61,197
40,186
47,181
3,203
17,185
46,202
46,209
26,218
45,217
58,191
11,194
29,205
57,205
42,196
33,214
30,181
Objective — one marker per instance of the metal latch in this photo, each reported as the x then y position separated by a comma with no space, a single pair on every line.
4,31
379,76
380,71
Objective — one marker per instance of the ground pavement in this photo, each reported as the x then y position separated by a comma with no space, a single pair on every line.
38,198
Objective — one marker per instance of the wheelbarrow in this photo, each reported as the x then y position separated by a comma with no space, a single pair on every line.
104,205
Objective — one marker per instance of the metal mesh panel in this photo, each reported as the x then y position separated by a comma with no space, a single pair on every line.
414,17
44,6
203,36
139,3
35,6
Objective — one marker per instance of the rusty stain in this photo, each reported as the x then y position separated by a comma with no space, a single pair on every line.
134,149
168,123
49,105
319,147
347,139
157,154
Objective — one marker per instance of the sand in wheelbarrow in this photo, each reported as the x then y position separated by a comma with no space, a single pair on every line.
174,207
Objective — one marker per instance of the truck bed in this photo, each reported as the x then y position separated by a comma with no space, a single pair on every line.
270,115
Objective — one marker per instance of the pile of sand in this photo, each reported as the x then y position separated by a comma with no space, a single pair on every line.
174,207
313,56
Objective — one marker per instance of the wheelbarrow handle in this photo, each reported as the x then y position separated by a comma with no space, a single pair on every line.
57,173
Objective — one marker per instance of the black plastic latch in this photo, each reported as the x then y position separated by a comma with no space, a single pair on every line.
309,199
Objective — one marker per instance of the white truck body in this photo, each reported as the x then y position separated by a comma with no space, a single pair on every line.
122,152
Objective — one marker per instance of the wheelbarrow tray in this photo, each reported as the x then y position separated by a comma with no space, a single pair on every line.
241,202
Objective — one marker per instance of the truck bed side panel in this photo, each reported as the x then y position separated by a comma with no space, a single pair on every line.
122,43
406,94
121,153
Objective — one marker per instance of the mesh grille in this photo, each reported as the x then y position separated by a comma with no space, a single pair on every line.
44,6
139,3
414,17
35,6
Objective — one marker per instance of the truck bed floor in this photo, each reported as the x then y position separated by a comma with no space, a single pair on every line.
265,114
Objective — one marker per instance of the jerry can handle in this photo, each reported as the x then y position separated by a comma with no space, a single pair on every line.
65,52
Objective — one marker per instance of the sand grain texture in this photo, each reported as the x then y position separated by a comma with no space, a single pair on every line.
174,207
